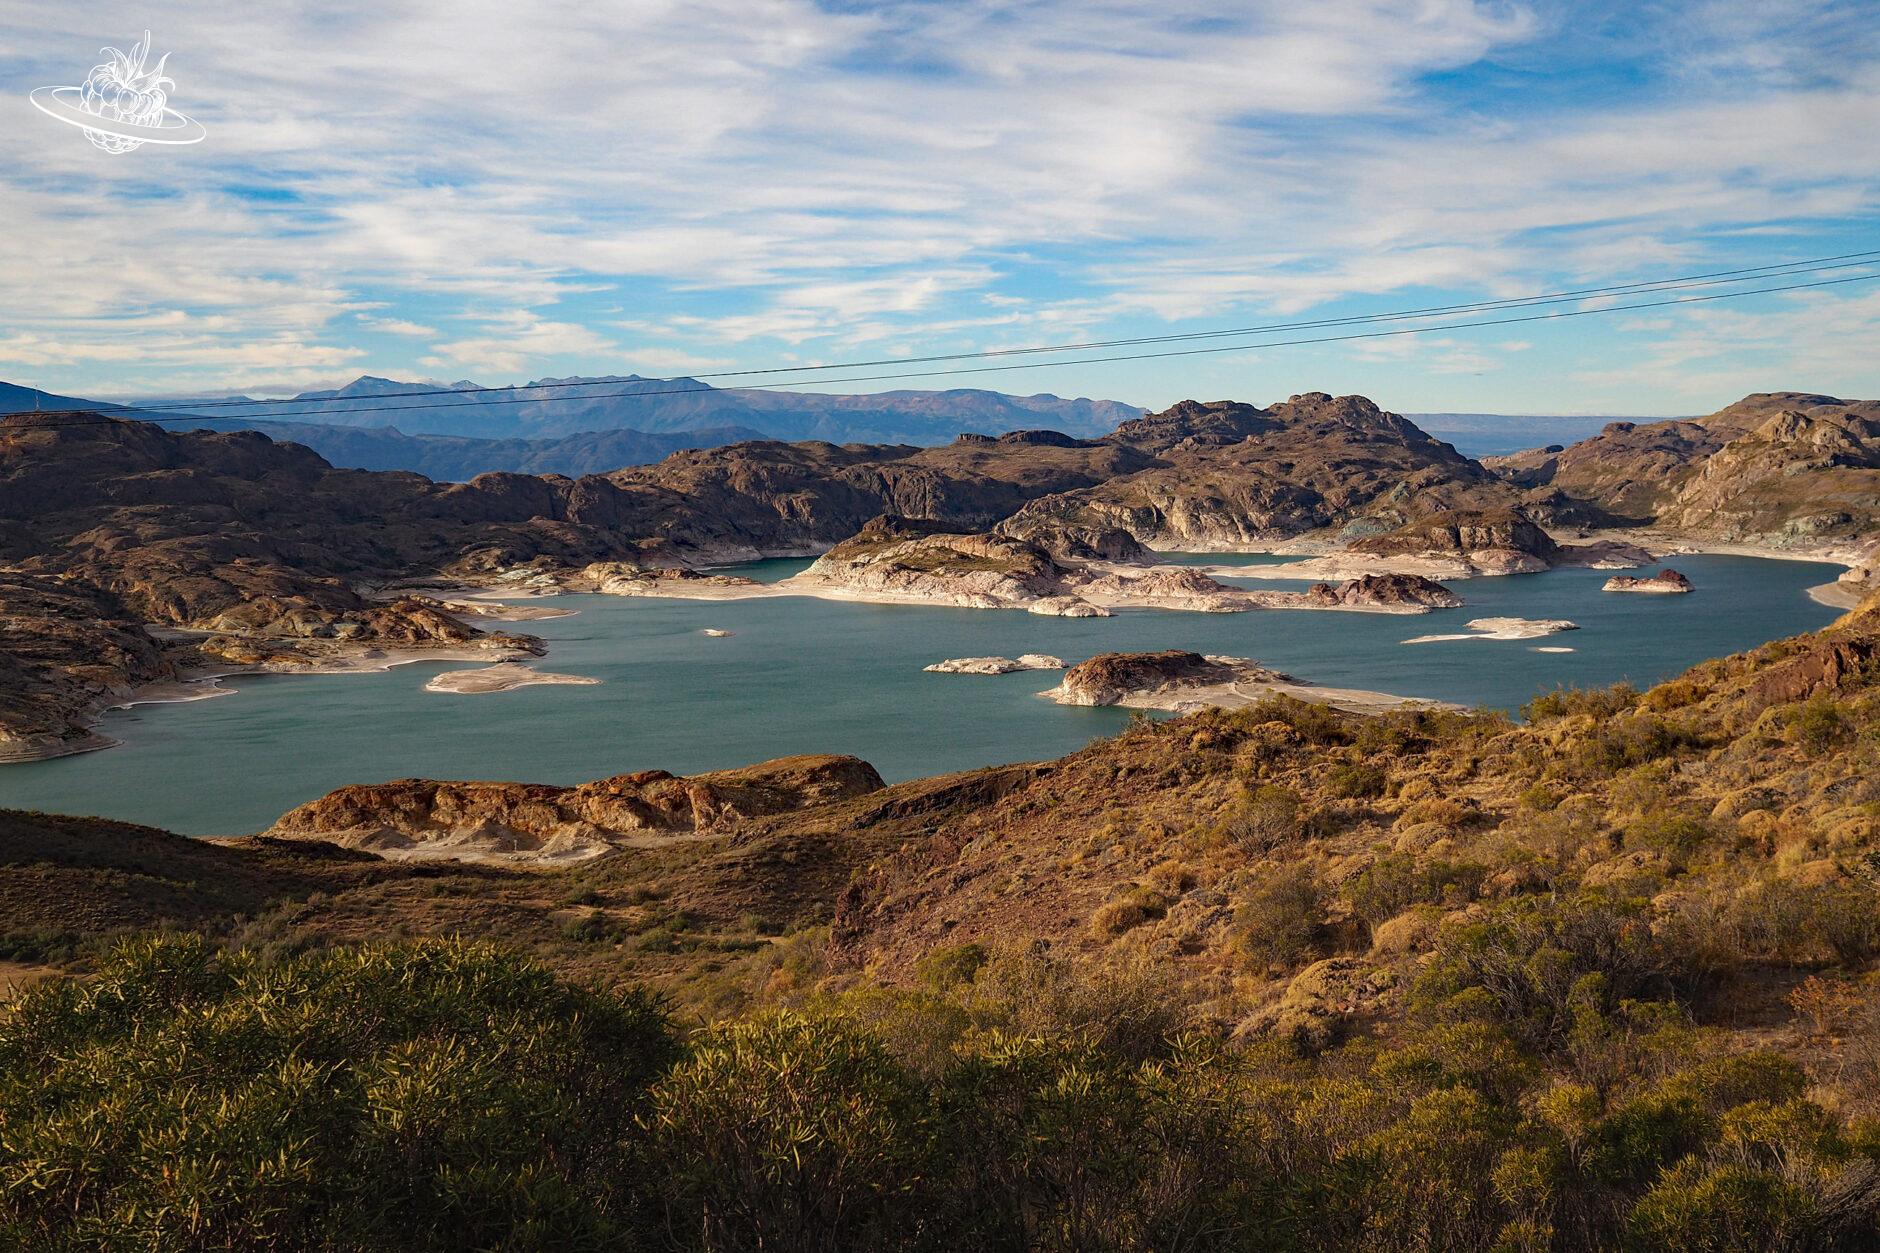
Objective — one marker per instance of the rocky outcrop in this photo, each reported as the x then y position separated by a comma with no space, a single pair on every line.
1665,582
1790,470
1123,678
996,665
1070,542
1232,475
1169,587
1492,542
66,652
620,578
428,819
1497,541
906,558
1410,592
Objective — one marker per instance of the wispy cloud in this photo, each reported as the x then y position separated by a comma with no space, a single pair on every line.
759,178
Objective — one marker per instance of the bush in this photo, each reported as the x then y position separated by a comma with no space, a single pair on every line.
1541,964
1818,724
1620,743
1128,1010
1357,781
1265,818
1396,881
1127,912
1597,703
782,1127
1279,919
435,1096
950,966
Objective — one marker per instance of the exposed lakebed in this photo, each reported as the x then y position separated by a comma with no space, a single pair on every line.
803,675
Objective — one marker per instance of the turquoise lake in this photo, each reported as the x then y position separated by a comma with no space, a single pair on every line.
802,675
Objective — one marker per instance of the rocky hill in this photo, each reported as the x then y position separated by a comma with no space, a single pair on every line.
1238,474
458,458
1787,469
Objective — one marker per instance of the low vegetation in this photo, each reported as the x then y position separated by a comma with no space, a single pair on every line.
1273,978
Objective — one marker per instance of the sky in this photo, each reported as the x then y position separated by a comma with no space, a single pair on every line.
503,191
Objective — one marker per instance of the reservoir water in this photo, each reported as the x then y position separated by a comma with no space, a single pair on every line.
800,675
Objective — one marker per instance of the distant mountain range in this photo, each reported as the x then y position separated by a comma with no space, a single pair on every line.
551,408
580,426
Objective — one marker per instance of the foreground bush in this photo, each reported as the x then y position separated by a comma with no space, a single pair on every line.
449,1097
428,1097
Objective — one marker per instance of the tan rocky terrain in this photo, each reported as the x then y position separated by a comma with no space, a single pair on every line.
1238,475
1780,469
421,818
1505,540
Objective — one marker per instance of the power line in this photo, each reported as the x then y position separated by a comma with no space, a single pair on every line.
1683,282
1555,315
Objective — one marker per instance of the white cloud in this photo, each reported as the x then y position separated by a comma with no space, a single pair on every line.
769,175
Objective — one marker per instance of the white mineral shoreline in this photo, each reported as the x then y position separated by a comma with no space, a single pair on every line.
503,677
206,684
1239,693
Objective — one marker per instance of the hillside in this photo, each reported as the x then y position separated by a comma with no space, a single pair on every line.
1320,981
1239,474
1778,468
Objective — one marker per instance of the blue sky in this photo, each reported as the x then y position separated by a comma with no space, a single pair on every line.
505,191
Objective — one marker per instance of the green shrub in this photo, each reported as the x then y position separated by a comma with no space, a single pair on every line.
950,965
1541,963
1396,881
1357,781
787,1132
1597,703
435,1096
1265,818
1278,920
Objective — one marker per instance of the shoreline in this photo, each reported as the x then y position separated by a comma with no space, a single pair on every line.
181,691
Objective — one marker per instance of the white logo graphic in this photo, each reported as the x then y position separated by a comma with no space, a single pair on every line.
123,104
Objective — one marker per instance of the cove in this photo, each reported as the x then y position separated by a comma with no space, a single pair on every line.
800,675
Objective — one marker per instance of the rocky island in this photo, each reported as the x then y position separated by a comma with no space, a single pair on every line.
1665,582
1179,681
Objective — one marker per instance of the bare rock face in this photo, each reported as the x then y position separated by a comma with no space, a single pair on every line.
1384,590
66,651
1229,474
917,559
1067,607
623,578
1665,582
1787,469
1112,678
1501,541
426,818
1066,541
